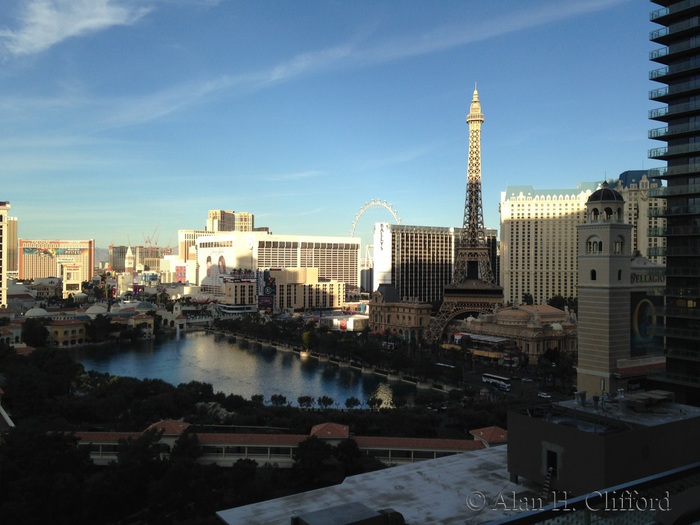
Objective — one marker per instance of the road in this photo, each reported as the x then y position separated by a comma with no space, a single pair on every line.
524,385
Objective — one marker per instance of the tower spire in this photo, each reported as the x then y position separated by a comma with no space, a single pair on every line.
473,233
473,288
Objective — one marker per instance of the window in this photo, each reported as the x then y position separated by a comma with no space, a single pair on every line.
593,275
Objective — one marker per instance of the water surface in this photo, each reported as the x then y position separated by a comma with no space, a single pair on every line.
233,368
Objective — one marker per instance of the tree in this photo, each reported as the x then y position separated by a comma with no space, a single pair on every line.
310,458
324,401
305,401
352,402
258,399
99,328
278,400
348,453
374,402
34,332
557,301
43,475
528,299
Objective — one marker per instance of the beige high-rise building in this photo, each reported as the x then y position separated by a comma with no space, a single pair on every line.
187,239
46,258
538,241
4,238
642,210
538,234
229,221
300,289
12,247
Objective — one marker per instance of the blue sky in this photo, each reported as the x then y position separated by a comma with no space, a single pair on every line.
118,117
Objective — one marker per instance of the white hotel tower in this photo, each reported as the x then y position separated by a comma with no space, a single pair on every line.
538,233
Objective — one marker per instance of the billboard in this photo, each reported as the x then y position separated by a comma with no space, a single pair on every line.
43,258
647,325
230,256
381,272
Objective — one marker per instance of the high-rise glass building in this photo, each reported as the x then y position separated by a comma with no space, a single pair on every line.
678,72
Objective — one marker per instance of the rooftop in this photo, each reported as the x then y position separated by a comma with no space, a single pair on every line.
445,491
644,409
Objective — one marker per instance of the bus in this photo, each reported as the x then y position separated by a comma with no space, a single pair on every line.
501,382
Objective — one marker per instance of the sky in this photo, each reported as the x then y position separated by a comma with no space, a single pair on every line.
126,120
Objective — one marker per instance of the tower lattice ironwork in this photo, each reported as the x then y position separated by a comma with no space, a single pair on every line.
473,288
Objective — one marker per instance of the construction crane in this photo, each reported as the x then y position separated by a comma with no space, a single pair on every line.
148,242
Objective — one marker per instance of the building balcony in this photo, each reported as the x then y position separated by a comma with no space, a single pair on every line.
681,353
674,52
683,271
674,231
682,379
674,191
666,251
688,334
668,93
674,111
665,74
669,152
679,313
674,211
666,35
675,131
682,292
679,10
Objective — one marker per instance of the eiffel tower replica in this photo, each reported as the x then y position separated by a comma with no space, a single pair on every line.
473,288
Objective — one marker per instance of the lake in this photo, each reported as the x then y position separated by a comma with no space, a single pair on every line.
245,370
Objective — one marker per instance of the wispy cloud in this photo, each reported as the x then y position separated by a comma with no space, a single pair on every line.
294,176
45,23
455,35
356,54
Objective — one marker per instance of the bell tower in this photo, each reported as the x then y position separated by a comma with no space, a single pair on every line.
604,291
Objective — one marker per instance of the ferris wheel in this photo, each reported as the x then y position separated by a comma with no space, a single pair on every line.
367,262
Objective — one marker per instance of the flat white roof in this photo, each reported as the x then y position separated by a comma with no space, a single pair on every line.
471,487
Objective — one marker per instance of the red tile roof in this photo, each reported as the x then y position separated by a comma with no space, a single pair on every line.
492,434
170,427
331,431
323,431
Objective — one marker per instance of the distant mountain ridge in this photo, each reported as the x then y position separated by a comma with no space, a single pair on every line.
101,255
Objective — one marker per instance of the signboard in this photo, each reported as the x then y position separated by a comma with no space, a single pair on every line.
381,272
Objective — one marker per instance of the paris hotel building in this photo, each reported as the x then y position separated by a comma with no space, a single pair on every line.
538,234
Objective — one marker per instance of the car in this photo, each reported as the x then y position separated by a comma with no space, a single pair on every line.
544,395
526,380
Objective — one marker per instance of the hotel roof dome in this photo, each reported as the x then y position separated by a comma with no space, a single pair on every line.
605,194
36,312
95,310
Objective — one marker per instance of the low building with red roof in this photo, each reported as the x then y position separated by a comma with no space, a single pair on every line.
490,436
225,449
